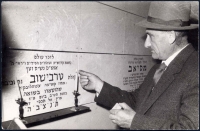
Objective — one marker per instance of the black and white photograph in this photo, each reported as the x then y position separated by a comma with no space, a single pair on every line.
100,65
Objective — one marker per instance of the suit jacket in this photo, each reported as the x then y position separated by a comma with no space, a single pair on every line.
173,104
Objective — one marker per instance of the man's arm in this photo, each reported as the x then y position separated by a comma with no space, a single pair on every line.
111,95
108,94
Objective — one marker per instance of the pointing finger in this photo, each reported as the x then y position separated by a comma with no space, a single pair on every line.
83,77
84,80
84,73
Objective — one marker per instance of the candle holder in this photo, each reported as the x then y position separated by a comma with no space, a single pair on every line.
76,94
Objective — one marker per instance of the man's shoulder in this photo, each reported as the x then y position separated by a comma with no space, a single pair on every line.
188,58
192,60
190,67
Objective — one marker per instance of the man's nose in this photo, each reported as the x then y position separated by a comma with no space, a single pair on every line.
147,43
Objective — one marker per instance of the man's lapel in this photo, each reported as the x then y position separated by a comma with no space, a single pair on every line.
147,85
167,78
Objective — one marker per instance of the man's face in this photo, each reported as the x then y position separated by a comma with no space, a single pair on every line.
159,43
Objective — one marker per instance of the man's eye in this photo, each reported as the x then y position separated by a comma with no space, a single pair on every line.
145,36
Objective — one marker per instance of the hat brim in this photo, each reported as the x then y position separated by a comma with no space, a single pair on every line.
155,26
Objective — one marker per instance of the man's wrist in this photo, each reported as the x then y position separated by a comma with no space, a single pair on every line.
132,119
99,87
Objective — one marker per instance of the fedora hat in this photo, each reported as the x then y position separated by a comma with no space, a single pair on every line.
168,15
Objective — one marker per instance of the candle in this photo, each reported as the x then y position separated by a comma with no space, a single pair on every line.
77,81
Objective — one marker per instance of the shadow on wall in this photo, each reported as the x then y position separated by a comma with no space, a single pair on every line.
7,42
193,38
194,19
7,55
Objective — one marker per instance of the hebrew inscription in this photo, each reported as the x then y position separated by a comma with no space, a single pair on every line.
137,71
46,81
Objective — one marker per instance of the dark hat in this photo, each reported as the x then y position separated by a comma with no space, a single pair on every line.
168,15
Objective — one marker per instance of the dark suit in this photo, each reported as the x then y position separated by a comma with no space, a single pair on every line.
173,104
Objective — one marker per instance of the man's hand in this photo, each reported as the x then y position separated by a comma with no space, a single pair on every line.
90,81
122,117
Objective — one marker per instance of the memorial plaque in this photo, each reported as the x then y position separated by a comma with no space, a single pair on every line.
46,81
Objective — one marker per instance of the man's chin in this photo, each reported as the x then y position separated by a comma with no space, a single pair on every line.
157,58
154,56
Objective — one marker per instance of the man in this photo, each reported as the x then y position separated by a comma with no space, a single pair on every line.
168,97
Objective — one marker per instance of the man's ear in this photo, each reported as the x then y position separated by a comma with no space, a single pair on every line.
171,37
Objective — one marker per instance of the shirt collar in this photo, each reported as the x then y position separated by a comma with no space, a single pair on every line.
169,60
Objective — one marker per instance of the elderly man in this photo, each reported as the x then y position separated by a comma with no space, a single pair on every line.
168,97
